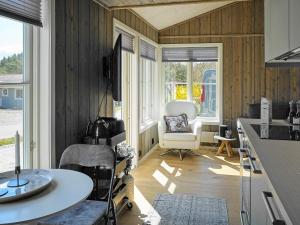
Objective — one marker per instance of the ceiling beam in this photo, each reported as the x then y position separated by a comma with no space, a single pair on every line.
151,4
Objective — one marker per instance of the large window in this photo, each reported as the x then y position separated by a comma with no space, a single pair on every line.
14,91
147,84
147,68
194,74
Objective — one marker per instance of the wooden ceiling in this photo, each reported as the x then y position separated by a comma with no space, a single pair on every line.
124,4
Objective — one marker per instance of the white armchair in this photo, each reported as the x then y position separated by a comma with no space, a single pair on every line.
180,142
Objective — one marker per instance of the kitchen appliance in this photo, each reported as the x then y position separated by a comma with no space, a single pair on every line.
266,111
296,119
277,132
222,130
292,112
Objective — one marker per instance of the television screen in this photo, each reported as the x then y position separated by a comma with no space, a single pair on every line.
117,70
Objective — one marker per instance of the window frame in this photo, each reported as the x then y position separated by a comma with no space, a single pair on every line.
5,95
16,97
219,83
26,86
155,87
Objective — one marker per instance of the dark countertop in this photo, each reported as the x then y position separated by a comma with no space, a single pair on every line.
281,161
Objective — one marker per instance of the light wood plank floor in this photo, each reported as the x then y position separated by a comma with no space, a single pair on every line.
208,175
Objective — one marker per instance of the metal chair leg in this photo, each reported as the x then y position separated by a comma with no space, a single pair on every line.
166,152
114,208
180,154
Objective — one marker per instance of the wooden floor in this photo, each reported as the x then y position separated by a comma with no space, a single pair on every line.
208,175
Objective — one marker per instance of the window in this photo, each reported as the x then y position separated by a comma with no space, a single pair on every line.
146,83
19,94
194,74
4,92
147,68
122,109
14,79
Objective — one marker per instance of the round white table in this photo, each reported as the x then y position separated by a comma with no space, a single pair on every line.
66,190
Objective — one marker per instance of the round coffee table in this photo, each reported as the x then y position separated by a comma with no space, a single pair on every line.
66,190
225,143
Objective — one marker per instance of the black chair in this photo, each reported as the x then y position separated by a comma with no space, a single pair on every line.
89,212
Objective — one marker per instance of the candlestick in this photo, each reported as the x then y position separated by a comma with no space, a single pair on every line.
17,182
17,150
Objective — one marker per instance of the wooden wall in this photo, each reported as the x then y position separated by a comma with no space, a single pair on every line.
83,38
147,140
240,27
132,20
84,35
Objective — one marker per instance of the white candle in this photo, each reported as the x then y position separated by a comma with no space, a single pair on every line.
17,150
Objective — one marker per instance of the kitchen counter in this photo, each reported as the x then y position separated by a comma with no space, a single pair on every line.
280,160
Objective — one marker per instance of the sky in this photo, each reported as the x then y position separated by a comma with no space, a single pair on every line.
11,37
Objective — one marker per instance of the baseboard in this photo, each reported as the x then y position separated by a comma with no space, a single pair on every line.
147,154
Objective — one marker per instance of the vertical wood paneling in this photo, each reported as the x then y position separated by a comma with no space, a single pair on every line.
83,38
72,71
245,78
60,78
83,76
130,19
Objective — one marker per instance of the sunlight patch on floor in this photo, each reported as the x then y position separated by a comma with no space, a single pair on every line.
160,177
172,188
225,170
145,207
168,168
178,173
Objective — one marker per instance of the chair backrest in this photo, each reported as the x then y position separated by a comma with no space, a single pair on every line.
94,156
101,156
178,107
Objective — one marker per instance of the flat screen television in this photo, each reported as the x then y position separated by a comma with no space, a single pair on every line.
116,77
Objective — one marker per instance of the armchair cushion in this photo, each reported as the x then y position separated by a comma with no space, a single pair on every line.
179,137
177,123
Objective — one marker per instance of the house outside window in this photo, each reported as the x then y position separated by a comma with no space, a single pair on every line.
19,94
193,73
15,95
5,92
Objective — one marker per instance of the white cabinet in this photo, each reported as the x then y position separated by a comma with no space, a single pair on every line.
258,185
294,26
268,54
282,33
276,28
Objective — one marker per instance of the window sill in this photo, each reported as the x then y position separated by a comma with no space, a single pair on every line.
147,125
209,121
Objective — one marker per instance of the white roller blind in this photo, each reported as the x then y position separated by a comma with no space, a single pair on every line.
127,40
147,50
190,54
28,11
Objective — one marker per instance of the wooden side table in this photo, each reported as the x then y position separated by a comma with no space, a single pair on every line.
225,143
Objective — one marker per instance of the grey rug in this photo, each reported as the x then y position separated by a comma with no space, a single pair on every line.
187,209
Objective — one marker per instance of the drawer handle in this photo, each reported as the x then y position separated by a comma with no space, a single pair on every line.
255,170
242,151
240,131
266,195
244,218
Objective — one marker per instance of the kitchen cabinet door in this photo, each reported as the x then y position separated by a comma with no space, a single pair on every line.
258,185
279,28
271,205
294,24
